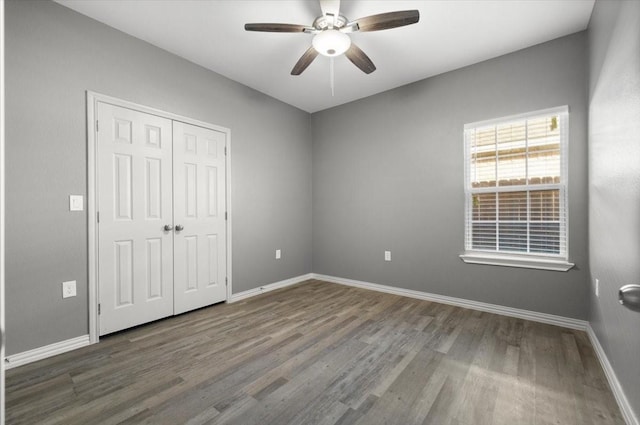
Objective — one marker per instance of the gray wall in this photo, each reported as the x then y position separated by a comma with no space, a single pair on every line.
53,55
388,174
614,183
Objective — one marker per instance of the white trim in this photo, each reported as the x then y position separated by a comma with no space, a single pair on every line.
517,117
551,319
92,99
2,226
529,262
625,407
50,350
92,245
229,216
98,97
270,287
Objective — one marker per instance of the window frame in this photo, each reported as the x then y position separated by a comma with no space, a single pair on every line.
555,262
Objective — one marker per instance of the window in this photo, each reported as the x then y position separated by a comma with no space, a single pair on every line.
516,191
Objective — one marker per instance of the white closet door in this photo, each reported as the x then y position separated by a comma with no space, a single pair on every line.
135,253
199,217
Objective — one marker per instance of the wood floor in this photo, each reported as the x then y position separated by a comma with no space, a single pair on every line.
320,353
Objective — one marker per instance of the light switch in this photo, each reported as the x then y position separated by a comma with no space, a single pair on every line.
278,254
69,289
387,256
76,203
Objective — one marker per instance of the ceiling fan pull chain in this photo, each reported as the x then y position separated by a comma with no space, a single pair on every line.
331,74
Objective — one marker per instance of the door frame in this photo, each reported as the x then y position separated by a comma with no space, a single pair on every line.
92,191
2,213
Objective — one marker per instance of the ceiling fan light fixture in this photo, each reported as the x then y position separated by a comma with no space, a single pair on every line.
331,43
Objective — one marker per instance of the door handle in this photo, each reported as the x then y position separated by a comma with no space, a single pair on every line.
629,296
168,227
179,227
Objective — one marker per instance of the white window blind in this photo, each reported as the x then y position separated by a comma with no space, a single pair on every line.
516,185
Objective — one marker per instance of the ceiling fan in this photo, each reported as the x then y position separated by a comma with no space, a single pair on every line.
331,33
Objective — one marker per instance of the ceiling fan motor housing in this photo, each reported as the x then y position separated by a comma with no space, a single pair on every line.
329,21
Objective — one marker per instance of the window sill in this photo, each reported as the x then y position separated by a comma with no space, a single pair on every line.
516,261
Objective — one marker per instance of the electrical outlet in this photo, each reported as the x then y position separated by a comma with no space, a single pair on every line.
69,289
597,288
278,254
387,256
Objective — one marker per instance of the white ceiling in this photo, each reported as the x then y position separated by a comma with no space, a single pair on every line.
450,35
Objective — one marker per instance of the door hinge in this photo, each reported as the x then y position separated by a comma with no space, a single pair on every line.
225,215
226,281
99,309
98,216
225,150
97,126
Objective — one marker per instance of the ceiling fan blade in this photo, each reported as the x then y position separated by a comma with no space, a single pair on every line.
330,7
274,27
360,59
304,61
385,21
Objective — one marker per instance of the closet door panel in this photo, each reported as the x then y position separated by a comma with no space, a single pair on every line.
135,253
199,215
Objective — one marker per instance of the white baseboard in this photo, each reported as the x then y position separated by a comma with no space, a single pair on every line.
625,407
551,319
40,353
567,322
50,350
270,287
